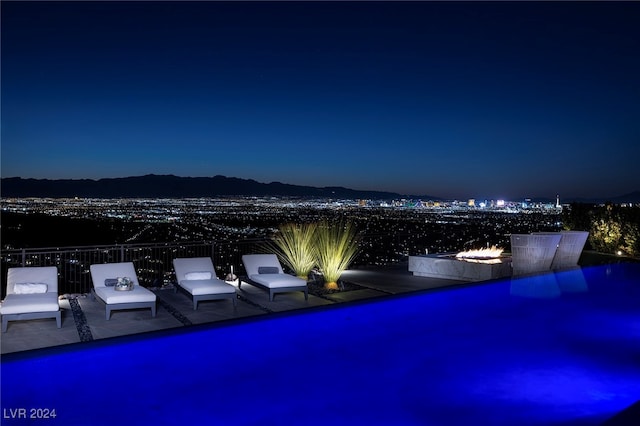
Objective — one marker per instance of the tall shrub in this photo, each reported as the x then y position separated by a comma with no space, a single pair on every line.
336,247
294,245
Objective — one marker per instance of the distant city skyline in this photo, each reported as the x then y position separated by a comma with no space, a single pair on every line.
163,187
503,100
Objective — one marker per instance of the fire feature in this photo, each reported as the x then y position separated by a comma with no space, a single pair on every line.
472,265
488,253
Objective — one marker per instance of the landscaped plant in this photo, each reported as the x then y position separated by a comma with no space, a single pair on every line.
336,247
295,247
612,228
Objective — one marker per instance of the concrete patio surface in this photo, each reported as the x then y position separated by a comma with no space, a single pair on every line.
83,319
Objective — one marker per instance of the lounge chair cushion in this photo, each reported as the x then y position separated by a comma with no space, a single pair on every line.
204,275
139,294
278,280
210,286
29,288
26,303
33,274
268,270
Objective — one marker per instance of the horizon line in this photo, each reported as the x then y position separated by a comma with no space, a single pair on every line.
506,198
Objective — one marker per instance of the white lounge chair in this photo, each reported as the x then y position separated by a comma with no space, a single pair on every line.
533,253
138,297
264,270
32,293
197,276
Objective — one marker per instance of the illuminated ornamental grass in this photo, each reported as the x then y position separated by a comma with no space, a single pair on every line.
336,247
295,247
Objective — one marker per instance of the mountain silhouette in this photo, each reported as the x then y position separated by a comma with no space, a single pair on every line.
632,197
170,186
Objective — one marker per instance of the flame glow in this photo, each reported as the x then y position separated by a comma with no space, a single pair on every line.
488,253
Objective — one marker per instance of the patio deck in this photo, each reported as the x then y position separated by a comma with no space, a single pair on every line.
83,319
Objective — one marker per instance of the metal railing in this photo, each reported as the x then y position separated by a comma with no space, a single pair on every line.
154,261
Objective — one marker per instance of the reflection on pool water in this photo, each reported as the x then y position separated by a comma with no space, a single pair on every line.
560,348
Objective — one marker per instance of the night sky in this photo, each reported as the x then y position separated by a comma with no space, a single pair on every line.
450,99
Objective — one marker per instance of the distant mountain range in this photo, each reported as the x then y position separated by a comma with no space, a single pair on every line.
170,186
632,197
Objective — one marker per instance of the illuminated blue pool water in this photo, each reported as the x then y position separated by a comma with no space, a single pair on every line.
562,348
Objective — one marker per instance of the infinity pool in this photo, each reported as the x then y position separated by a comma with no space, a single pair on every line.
561,348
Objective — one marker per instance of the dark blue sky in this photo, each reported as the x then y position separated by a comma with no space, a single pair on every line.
452,99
